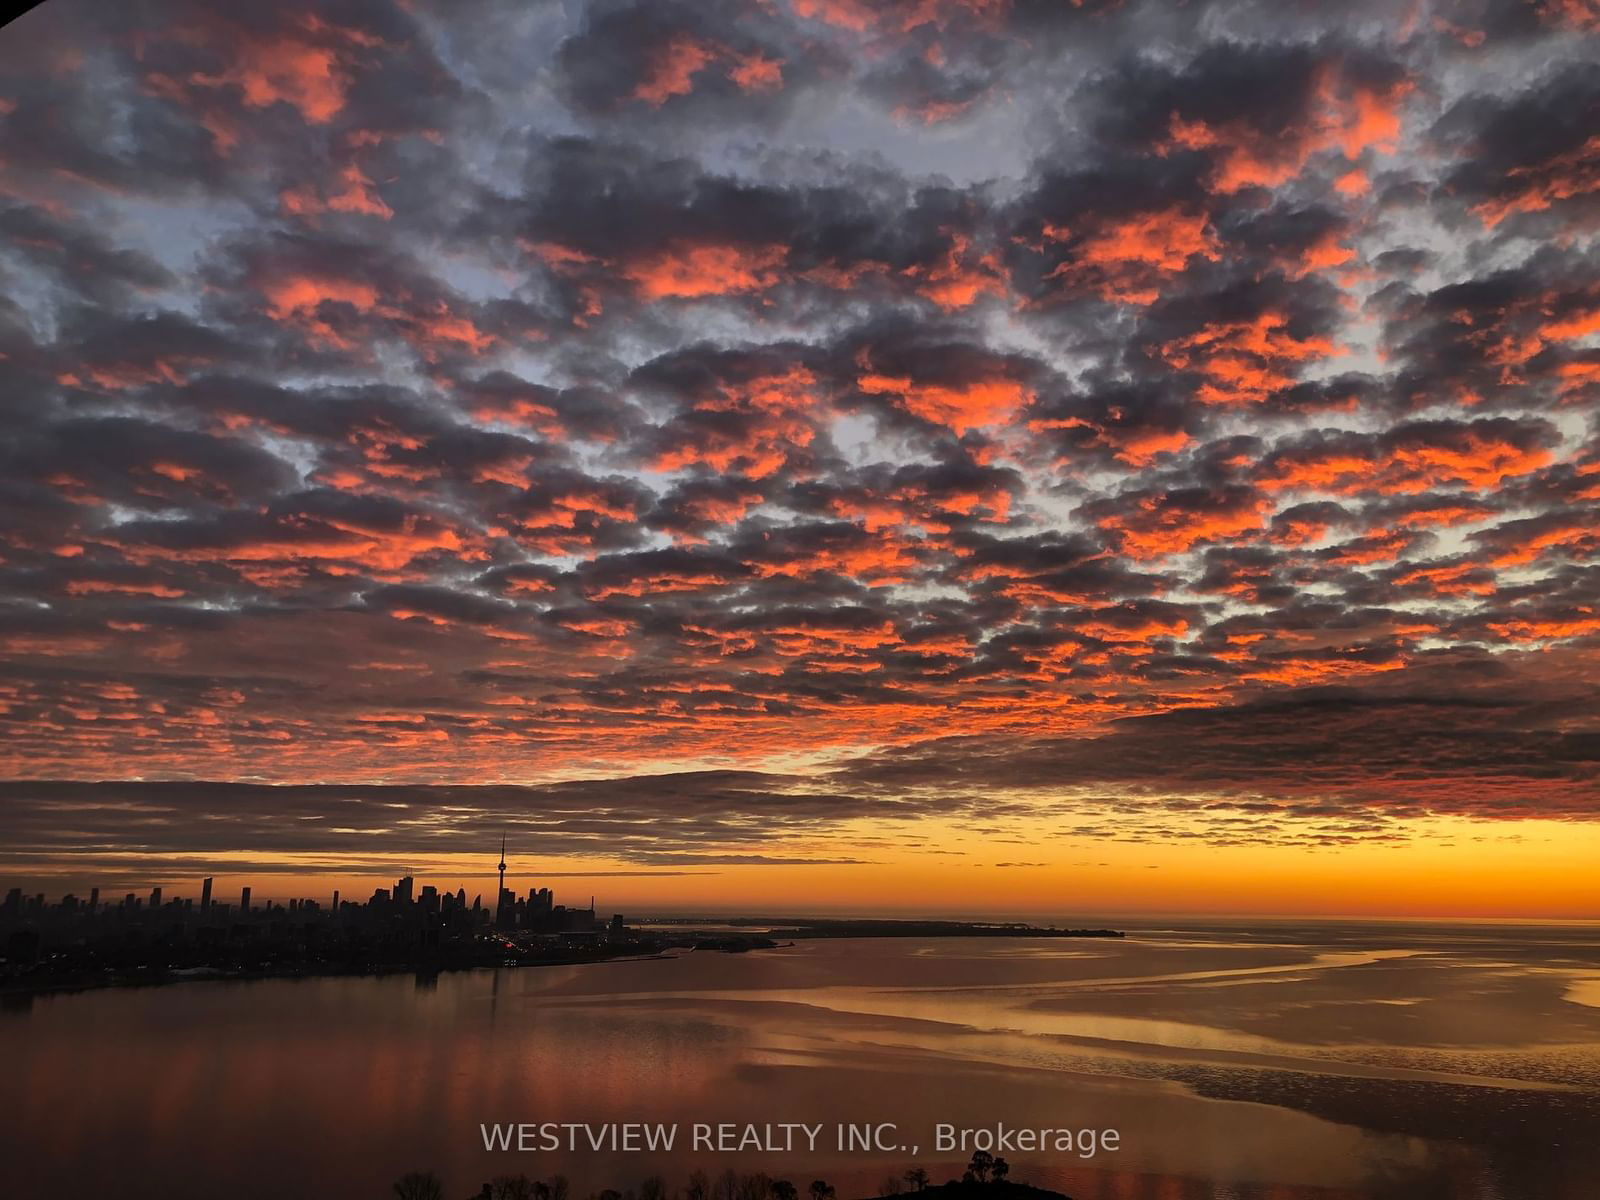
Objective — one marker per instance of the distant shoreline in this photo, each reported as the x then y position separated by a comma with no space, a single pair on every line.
817,930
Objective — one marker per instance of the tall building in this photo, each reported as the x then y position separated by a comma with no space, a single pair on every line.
205,896
155,898
502,910
402,889
244,901
94,900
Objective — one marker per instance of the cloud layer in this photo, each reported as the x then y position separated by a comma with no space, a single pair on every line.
1184,404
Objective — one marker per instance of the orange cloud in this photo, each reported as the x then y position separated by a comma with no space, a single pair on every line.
759,449
1380,546
300,539
88,587
1350,117
1460,579
439,324
296,298
1582,623
662,583
1245,362
933,112
1353,182
901,16
1581,15
674,65
720,510
672,70
687,271
307,77
1124,260
356,195
1327,251
776,407
880,559
960,277
755,72
1118,625
1166,523
961,407
1538,187
1137,446
118,376
1478,458
855,15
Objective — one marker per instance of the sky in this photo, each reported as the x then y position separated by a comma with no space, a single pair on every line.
1036,456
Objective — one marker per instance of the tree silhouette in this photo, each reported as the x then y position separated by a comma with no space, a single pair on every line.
917,1178
980,1166
419,1185
782,1189
653,1188
821,1190
512,1187
559,1187
890,1186
699,1187
1000,1170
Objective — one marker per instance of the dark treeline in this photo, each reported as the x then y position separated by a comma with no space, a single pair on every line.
985,1178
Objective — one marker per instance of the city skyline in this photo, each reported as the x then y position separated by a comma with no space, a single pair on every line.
928,456
18,899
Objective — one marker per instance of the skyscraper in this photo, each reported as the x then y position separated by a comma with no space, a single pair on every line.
501,913
205,896
244,901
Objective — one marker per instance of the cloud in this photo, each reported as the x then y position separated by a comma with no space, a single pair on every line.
450,394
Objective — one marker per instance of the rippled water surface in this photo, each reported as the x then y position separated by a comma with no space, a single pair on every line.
1290,1062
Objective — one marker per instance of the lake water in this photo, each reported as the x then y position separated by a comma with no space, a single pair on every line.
1271,1062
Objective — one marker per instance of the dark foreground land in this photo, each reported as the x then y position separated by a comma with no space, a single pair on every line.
984,1179
1003,1189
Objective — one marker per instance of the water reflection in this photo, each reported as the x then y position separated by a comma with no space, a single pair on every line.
1353,1062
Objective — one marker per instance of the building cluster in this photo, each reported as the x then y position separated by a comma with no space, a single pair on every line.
394,923
18,906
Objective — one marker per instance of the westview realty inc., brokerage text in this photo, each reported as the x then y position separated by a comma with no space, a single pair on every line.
785,1137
